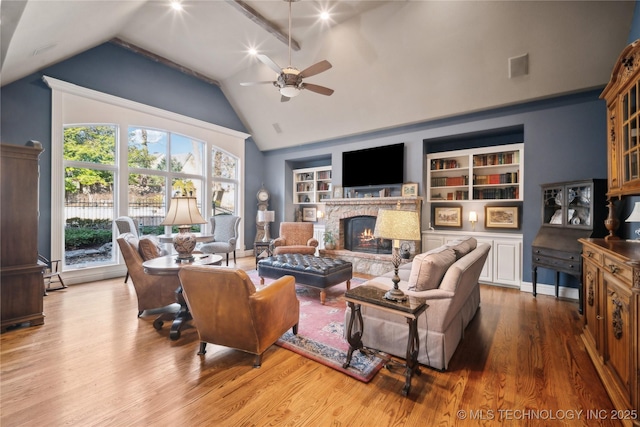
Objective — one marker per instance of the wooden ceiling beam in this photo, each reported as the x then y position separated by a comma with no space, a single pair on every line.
267,25
162,60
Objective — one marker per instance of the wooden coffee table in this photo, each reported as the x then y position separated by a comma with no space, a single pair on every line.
167,266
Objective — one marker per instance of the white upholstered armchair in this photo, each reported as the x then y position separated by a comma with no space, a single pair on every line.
225,236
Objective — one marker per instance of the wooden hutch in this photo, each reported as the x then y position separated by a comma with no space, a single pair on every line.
611,271
21,280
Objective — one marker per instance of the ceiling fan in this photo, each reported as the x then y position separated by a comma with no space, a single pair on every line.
290,79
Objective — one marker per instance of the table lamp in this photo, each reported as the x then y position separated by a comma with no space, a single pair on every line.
266,217
184,213
397,225
635,217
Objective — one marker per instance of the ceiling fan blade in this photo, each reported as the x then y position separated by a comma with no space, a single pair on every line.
317,89
269,63
256,83
316,68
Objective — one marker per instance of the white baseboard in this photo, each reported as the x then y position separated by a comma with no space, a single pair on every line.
544,289
74,277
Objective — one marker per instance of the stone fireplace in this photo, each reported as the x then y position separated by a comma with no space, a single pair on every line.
340,212
358,236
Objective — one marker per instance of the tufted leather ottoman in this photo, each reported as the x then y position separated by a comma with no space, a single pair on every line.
308,270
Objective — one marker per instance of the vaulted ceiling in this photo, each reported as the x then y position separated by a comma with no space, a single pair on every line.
394,62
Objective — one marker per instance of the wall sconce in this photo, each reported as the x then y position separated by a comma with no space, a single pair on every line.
320,214
473,218
635,217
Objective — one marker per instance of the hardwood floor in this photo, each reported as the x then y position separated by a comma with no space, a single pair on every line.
94,363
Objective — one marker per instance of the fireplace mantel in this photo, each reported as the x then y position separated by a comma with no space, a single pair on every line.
412,201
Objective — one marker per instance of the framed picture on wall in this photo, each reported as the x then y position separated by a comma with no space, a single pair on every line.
337,192
448,216
410,189
501,217
309,214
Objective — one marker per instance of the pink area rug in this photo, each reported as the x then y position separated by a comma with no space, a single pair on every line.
321,331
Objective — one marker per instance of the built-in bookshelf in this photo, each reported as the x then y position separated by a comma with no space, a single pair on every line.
311,185
489,173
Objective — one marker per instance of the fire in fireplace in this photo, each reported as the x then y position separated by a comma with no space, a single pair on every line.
358,236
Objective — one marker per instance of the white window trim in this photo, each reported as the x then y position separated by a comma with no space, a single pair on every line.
59,90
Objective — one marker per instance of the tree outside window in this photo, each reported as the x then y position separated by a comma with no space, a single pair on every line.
89,159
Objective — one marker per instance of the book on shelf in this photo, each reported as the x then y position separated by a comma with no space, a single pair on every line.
495,159
437,164
324,174
449,181
497,178
456,195
496,193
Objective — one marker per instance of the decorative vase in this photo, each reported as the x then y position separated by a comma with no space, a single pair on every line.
330,246
184,243
611,223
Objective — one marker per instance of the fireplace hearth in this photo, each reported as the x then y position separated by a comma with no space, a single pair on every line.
358,236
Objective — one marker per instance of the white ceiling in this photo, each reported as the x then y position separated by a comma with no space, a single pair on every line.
394,62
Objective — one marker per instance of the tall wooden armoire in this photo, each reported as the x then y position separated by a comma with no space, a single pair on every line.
21,280
611,277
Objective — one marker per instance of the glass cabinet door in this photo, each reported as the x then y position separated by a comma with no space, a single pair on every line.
552,203
630,147
579,204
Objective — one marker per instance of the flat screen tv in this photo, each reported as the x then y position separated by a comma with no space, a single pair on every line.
373,166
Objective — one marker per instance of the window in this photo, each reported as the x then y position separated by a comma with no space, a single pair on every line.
224,182
113,157
150,174
89,172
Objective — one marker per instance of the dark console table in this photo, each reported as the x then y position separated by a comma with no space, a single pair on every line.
411,309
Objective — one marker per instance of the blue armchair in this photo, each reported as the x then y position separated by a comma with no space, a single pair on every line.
225,236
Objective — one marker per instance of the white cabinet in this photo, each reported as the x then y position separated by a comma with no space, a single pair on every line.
507,261
311,185
490,173
504,262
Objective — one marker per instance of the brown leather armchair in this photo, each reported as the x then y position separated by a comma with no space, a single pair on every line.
295,238
228,310
152,291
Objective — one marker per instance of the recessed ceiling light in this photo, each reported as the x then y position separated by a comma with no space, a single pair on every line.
176,5
325,16
253,51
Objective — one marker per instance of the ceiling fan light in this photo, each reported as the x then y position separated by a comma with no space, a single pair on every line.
289,91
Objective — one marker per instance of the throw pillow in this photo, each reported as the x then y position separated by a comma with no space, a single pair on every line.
463,246
428,269
148,248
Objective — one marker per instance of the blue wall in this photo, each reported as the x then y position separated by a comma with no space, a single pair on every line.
634,34
564,139
108,68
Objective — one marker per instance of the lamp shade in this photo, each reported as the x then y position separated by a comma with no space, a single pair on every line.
473,216
266,216
183,211
397,225
635,214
